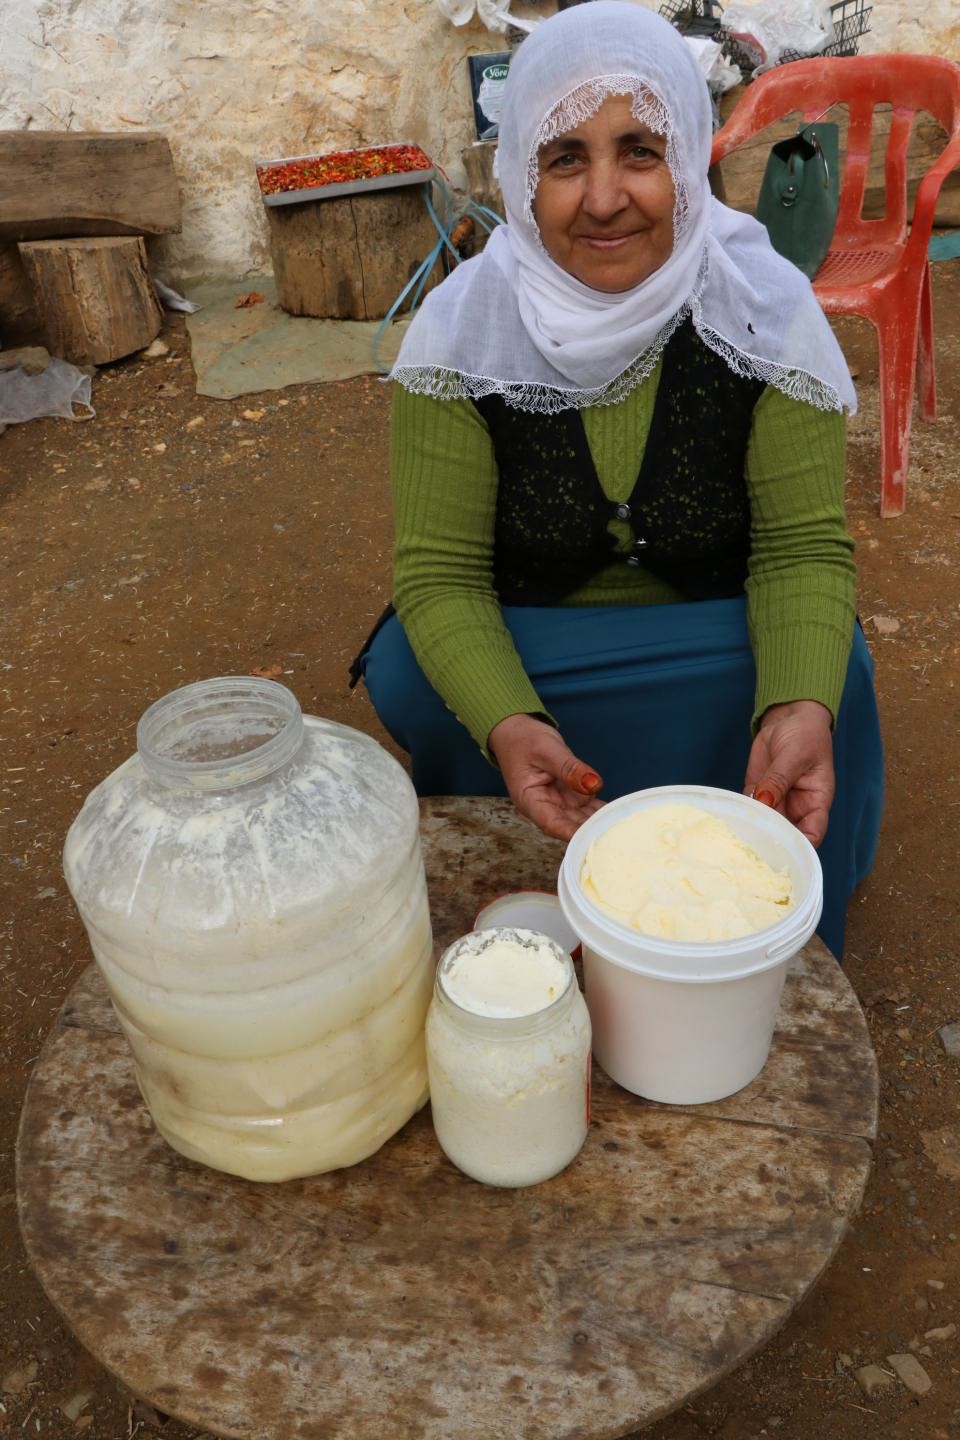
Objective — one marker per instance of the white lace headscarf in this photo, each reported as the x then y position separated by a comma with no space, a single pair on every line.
514,323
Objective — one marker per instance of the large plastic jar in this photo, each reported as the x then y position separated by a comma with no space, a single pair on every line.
509,1057
252,885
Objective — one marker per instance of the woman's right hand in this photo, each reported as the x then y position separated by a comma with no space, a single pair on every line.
547,783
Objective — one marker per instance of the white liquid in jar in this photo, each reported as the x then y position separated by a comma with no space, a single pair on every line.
508,1053
278,1081
268,952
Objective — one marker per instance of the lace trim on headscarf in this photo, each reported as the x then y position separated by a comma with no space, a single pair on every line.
583,102
541,399
795,384
444,384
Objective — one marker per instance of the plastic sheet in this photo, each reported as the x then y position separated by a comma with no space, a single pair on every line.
772,27
54,393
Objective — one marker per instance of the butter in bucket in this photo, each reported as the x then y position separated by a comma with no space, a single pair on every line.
679,873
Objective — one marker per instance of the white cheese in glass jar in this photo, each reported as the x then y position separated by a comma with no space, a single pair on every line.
508,1054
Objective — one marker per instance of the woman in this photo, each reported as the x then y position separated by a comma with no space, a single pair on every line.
617,452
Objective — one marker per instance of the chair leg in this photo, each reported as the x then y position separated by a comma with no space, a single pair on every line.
926,373
897,354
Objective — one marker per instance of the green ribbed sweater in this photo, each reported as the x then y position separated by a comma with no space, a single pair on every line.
800,585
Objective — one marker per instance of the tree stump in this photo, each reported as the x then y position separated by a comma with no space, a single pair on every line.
19,323
348,258
95,296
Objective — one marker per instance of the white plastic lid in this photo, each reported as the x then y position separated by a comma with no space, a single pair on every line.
530,910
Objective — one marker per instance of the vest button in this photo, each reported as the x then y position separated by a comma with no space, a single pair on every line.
623,512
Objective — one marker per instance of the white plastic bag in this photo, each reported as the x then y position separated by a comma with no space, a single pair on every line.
719,72
773,26
495,14
459,11
53,392
724,74
171,299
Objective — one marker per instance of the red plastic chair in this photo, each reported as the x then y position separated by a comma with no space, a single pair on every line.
872,268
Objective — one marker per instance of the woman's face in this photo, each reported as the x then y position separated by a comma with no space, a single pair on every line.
604,202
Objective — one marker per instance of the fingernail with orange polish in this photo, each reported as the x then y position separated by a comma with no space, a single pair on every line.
581,778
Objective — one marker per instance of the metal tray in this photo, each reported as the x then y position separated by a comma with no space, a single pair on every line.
345,187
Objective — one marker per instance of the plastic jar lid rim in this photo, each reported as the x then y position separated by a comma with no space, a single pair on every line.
231,770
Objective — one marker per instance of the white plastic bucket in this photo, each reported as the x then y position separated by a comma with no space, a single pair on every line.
685,1023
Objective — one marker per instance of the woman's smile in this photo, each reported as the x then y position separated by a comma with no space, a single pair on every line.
605,197
609,241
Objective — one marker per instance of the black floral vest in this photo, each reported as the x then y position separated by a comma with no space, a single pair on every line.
689,508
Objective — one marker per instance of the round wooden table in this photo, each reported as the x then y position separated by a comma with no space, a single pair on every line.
399,1298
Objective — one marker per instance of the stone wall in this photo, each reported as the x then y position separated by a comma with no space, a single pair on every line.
931,28
231,84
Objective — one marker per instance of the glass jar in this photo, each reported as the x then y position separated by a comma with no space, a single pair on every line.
252,885
510,1091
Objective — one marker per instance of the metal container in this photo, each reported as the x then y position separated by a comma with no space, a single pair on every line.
345,187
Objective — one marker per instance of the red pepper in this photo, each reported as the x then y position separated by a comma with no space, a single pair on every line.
337,167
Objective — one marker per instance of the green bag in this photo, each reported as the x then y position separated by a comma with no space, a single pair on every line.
800,194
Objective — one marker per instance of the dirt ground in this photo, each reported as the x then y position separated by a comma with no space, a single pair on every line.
173,538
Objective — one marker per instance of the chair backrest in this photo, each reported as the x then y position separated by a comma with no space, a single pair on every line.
907,83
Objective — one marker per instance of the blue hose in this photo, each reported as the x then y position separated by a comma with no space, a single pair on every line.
484,216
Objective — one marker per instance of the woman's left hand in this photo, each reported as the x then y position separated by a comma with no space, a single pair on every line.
791,762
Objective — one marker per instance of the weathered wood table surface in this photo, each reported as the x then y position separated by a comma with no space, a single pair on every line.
399,1298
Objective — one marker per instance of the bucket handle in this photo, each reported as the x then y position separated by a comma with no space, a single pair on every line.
790,945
